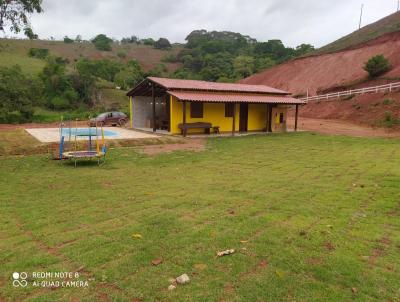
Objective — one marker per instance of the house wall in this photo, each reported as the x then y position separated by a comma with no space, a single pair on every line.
142,111
213,113
257,117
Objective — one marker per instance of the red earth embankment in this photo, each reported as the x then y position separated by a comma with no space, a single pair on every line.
377,110
320,73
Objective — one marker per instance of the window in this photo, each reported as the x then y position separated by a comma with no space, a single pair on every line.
196,110
281,118
229,109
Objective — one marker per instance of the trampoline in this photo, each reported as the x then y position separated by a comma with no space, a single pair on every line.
99,152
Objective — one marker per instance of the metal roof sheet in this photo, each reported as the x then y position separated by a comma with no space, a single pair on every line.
197,96
177,84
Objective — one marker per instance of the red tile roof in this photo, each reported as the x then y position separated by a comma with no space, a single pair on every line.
176,84
198,96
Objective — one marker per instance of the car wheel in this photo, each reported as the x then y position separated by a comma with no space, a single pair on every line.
121,122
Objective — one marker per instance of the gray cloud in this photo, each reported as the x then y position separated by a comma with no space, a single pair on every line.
294,21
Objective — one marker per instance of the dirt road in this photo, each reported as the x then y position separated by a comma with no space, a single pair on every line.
337,127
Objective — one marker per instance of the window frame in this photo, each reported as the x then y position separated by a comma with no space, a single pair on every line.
196,112
229,109
281,118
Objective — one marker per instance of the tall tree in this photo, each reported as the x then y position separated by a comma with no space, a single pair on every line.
14,15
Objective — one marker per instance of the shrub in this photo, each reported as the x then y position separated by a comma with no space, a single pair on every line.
102,42
59,103
388,102
377,66
122,54
39,53
68,40
162,43
17,93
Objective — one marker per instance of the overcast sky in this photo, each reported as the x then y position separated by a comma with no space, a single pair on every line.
293,21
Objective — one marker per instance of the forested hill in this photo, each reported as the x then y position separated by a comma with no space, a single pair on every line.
227,56
79,76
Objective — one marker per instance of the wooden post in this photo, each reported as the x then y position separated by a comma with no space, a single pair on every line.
270,118
267,122
184,118
153,94
296,118
234,120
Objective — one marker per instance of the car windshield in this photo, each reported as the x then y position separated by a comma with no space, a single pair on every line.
102,115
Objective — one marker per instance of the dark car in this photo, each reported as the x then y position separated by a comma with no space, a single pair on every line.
109,118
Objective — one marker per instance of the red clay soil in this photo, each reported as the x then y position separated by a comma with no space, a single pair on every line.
368,109
319,73
337,127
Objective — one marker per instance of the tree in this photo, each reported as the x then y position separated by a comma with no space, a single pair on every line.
130,76
303,49
78,39
68,40
15,96
14,15
162,43
102,42
377,66
244,66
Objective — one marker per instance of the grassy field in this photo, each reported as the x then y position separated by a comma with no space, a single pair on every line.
312,218
16,51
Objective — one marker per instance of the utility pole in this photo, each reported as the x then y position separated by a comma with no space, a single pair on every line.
361,15
398,5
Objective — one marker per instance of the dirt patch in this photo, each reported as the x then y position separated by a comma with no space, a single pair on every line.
375,110
189,144
338,127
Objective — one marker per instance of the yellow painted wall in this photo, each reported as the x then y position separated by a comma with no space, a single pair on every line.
213,113
257,117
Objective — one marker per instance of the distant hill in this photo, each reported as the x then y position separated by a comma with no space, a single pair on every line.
367,33
16,52
339,64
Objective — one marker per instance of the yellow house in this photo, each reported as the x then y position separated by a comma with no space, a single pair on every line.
188,107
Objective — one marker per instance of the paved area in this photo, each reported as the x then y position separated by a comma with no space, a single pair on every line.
50,135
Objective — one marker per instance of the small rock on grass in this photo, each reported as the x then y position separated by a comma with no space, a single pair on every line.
183,279
224,253
171,287
156,262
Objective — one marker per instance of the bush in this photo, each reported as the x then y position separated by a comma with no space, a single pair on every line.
162,43
59,103
388,102
17,93
68,40
170,58
39,53
377,66
122,54
102,42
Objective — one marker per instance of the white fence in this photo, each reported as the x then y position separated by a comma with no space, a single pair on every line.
335,95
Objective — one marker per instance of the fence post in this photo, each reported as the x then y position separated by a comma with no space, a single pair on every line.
390,87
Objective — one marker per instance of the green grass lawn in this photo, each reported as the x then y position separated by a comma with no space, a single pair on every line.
312,218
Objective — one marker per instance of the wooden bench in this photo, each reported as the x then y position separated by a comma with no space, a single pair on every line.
198,125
